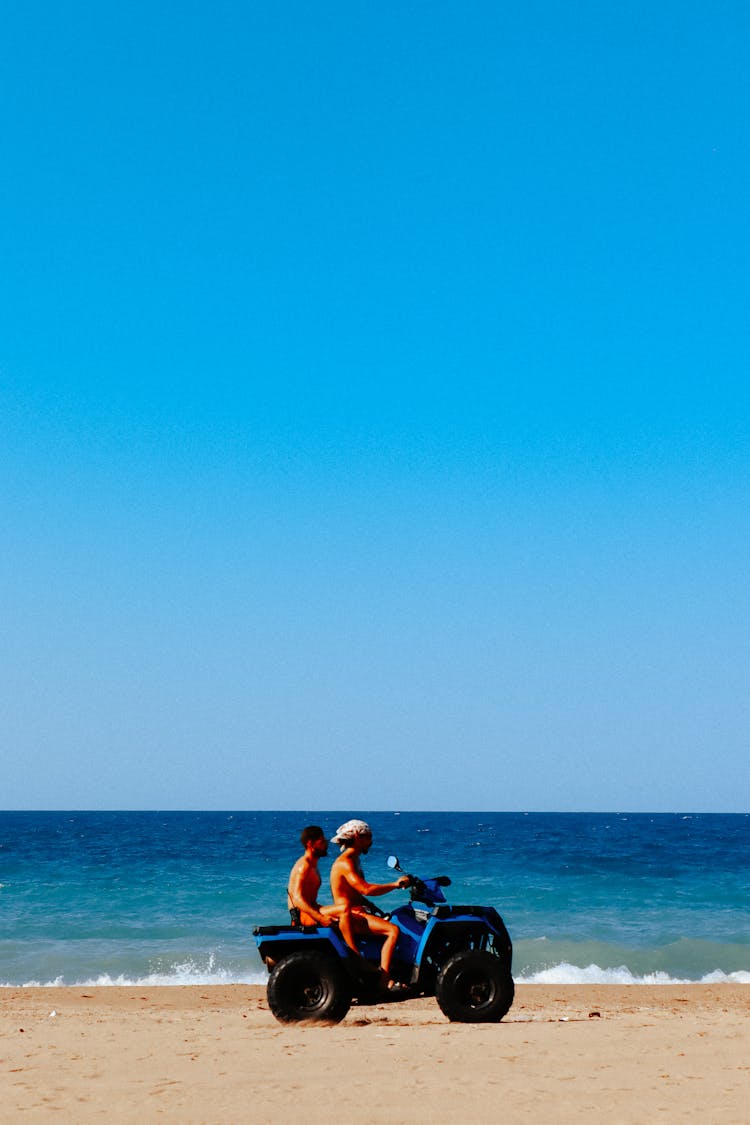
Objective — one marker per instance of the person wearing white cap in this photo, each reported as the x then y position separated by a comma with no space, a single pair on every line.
350,830
350,889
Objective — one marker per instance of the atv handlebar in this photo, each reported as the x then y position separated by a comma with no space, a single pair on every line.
421,890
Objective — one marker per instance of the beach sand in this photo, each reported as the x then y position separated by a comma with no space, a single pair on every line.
215,1054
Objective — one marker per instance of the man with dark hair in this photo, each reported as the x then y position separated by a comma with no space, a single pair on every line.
304,882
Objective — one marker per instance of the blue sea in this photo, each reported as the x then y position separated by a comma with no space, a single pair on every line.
91,898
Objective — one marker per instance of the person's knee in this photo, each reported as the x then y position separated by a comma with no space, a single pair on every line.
382,926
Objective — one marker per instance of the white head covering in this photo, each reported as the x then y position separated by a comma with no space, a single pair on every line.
349,830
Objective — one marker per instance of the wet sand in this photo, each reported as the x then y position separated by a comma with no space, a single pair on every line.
215,1054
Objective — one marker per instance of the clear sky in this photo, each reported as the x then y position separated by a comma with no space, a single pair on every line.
374,405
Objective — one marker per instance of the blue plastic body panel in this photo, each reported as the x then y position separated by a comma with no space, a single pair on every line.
422,928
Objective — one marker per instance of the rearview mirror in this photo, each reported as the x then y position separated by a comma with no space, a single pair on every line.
392,862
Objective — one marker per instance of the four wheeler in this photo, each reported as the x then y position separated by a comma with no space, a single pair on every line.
459,954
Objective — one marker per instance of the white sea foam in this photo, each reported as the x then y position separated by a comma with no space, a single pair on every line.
188,972
150,980
179,973
565,973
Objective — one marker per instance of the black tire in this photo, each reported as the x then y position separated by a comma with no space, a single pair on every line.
308,986
474,986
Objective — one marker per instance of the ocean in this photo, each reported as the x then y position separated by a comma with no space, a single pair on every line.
97,898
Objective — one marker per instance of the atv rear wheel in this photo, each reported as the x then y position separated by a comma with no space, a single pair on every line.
308,986
474,986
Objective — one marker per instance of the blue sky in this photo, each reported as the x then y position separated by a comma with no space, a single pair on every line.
374,405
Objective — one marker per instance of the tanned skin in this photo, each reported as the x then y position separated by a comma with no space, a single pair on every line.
304,885
350,889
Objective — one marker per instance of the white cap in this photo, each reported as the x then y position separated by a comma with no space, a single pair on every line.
349,830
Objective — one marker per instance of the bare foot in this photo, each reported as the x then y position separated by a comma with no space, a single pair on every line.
389,985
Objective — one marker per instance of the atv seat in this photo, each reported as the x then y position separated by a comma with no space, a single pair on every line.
273,931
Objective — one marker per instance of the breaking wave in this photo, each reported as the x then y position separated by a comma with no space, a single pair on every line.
185,973
190,973
594,974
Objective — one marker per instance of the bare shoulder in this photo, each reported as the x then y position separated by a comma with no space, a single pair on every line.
300,869
344,866
340,864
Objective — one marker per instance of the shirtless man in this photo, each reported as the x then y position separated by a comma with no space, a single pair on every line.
350,888
304,881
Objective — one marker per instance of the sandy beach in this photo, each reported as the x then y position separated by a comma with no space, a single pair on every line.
216,1054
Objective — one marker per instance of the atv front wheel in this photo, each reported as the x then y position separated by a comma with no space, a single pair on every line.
474,986
308,986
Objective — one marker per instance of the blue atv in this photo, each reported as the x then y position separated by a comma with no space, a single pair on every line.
459,954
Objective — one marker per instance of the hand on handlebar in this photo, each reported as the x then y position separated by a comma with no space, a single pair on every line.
403,882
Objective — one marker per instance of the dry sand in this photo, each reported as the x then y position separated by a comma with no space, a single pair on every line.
564,1053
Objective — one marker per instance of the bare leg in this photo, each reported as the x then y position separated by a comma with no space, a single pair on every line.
344,918
349,926
390,931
